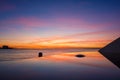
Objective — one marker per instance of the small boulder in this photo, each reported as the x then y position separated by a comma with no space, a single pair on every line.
80,55
40,54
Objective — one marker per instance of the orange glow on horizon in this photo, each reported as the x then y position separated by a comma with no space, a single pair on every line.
57,44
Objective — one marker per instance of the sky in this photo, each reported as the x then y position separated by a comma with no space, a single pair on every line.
59,23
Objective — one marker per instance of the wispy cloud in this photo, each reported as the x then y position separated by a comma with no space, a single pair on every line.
75,39
71,41
69,23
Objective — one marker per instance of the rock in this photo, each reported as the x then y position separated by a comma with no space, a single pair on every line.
5,47
113,47
80,55
112,52
40,54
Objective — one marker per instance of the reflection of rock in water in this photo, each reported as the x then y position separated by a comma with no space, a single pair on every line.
112,52
80,55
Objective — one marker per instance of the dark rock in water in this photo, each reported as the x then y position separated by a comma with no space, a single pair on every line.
112,52
5,47
40,54
80,55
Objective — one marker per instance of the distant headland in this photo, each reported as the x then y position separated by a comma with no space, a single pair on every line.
6,47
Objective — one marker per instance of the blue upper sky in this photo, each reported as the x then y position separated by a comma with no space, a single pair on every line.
55,8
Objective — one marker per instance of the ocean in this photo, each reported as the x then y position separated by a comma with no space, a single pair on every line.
18,54
56,64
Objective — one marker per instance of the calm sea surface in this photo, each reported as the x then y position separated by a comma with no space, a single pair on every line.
57,64
17,54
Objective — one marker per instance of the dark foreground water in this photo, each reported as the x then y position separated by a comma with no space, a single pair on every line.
56,65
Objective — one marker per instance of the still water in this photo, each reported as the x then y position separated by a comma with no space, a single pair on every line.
56,65
17,54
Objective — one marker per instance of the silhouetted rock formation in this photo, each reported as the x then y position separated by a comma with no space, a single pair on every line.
40,54
5,47
113,47
112,52
80,55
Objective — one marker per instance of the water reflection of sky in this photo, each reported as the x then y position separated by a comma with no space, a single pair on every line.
61,67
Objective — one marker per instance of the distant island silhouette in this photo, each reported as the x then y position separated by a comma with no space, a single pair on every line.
5,47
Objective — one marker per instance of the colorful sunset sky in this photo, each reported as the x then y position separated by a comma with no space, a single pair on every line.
59,23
